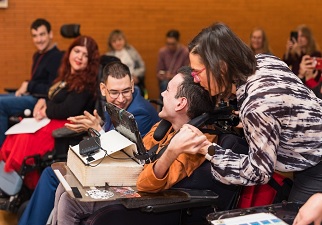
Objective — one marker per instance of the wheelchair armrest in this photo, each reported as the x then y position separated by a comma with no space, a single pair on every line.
38,95
198,198
64,132
10,90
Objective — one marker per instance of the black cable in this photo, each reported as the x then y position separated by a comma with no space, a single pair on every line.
92,131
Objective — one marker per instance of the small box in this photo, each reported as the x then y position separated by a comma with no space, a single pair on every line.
116,167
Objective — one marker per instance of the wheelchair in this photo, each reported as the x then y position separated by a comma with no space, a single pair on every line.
206,195
200,186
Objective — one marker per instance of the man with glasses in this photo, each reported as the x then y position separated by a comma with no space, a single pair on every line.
118,88
171,57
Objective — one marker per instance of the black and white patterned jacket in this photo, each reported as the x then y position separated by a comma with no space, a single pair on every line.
282,121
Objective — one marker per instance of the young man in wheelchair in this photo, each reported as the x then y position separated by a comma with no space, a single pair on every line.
183,100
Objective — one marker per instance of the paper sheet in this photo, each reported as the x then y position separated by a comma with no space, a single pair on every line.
27,125
112,142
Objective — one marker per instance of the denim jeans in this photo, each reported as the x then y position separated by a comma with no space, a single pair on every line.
42,200
11,105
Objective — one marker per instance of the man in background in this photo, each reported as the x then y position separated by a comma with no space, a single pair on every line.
171,57
45,63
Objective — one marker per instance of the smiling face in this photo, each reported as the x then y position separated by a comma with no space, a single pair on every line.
118,42
256,40
41,38
169,101
198,68
78,58
123,87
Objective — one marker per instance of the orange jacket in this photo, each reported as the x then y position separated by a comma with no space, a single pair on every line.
182,167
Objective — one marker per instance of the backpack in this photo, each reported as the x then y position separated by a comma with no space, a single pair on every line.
275,191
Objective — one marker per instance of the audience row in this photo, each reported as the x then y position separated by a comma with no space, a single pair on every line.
281,134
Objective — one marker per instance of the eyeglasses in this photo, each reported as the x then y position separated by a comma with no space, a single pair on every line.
115,94
195,74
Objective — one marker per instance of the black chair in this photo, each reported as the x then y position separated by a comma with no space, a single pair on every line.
70,30
202,188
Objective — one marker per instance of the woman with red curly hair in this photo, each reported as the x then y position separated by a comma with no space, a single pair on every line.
73,91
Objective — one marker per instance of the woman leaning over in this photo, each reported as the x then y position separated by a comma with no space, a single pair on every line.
281,117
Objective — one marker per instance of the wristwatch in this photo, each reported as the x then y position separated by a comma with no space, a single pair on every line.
211,151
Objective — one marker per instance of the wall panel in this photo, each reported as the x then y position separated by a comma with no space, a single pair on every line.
145,23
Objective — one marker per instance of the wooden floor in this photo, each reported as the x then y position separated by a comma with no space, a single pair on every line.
7,218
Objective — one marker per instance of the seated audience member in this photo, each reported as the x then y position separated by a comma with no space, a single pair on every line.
74,91
259,42
310,212
281,117
170,58
183,100
310,75
119,47
45,63
296,48
118,88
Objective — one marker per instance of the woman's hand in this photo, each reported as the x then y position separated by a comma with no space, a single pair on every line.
307,68
39,111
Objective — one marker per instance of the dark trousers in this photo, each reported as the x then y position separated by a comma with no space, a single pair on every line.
306,183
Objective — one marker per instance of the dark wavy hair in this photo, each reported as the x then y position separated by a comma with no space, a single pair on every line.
198,98
217,44
39,22
87,78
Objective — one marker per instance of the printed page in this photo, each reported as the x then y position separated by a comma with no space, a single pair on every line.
27,125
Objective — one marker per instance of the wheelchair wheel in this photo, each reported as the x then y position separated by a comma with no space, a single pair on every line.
21,209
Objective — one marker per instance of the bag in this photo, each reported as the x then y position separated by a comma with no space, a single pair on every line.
275,191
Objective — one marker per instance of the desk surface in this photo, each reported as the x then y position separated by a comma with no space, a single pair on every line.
128,196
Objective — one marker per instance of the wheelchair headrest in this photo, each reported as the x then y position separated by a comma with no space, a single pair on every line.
70,30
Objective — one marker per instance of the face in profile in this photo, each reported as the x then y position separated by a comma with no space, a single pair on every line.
78,58
200,75
41,38
256,40
118,91
169,101
118,43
